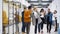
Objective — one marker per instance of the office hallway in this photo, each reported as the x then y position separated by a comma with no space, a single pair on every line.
12,10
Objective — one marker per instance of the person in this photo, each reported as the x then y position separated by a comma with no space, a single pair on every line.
4,20
27,19
55,19
23,25
49,20
42,17
17,22
36,20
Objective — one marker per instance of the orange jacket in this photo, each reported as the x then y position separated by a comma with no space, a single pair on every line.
27,17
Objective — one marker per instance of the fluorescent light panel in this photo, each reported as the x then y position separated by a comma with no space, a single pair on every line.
45,0
44,3
34,0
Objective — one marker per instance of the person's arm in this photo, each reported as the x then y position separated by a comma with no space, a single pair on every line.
32,14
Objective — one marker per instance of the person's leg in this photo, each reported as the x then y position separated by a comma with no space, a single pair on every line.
28,28
17,28
42,23
23,27
42,28
36,26
50,27
39,28
56,26
47,26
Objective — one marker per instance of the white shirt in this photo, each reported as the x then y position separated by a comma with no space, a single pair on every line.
54,15
42,15
36,14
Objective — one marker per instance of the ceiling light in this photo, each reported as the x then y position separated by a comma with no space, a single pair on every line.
45,0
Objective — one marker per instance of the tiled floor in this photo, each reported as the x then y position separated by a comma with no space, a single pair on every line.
32,29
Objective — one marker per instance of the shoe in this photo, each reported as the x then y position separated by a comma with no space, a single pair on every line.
23,32
55,31
38,33
41,32
47,31
35,33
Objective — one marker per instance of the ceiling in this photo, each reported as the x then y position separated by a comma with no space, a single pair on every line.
40,3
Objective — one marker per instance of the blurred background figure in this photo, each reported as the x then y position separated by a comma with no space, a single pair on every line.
23,24
17,21
55,19
5,20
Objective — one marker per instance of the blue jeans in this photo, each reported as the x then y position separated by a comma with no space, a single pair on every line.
23,27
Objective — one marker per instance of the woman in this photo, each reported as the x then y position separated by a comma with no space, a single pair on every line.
42,17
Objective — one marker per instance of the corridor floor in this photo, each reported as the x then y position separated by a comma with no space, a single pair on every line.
44,30
31,29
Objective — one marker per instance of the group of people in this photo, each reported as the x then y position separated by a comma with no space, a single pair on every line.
38,19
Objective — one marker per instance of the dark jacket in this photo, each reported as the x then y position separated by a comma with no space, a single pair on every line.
49,17
23,16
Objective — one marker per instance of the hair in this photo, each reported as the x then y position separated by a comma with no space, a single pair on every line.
29,7
55,11
24,7
42,10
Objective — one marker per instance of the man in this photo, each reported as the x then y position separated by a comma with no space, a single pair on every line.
27,18
17,20
23,25
49,21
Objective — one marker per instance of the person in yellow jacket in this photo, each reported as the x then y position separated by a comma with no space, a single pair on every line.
27,18
4,20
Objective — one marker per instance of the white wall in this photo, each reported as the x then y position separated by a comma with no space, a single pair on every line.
0,16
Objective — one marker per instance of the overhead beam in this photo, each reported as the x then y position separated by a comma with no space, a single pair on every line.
46,1
40,5
43,7
40,1
33,1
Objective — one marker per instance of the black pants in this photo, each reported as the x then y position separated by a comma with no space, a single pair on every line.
56,25
36,26
42,23
49,26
